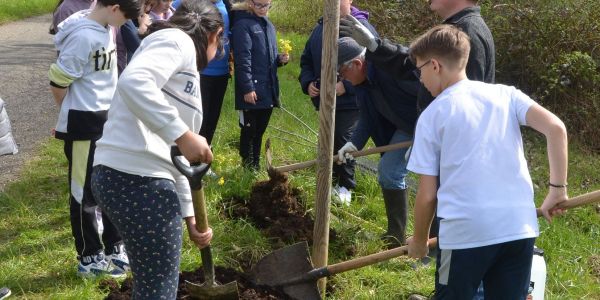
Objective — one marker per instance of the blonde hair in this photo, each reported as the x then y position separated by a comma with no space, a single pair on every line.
444,42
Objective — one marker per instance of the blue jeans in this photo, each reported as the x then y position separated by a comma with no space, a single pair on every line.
392,166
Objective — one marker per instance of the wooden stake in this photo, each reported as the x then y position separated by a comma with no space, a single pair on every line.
331,18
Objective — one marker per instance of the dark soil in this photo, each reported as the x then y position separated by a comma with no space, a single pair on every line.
277,209
247,290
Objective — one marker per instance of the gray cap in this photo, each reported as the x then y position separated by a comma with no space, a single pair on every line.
348,49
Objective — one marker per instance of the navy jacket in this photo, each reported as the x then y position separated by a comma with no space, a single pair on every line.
389,102
310,63
256,60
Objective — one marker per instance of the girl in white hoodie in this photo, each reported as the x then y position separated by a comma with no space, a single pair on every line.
157,105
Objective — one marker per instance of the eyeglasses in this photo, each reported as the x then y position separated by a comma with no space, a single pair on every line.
417,71
262,6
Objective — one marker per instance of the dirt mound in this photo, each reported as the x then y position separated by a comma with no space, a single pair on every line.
247,290
277,209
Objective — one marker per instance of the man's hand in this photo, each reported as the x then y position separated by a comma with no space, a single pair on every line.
250,98
417,249
351,27
340,89
343,154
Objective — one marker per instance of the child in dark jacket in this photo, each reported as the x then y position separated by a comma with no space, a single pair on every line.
256,85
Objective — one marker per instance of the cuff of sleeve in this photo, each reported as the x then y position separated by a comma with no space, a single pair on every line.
187,208
185,197
373,44
173,130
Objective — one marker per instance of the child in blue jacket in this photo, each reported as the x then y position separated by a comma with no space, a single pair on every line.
256,84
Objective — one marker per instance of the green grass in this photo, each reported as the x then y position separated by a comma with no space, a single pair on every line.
11,10
37,256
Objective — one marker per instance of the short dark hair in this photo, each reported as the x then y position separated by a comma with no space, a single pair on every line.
130,8
445,42
199,19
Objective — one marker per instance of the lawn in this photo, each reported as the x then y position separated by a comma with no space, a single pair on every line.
37,256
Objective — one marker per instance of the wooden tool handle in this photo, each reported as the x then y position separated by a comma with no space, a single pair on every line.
373,258
200,210
369,151
589,198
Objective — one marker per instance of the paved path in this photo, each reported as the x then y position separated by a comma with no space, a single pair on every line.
26,52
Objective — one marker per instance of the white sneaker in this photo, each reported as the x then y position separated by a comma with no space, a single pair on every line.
342,195
119,259
96,266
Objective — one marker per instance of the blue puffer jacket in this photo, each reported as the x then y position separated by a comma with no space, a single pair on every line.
256,60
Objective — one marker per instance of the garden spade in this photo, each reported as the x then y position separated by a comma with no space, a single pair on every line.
291,269
209,289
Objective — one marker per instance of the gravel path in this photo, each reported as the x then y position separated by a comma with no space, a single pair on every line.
26,52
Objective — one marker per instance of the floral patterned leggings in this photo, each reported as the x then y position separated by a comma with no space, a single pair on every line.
147,213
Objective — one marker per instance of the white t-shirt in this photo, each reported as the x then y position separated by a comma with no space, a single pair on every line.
470,137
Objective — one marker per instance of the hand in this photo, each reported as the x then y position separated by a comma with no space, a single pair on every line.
144,21
343,154
340,89
194,147
417,249
351,27
284,58
201,239
550,207
250,98
313,91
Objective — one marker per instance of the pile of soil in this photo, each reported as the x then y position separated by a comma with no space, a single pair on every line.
277,209
247,290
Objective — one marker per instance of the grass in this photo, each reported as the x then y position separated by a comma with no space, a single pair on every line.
11,10
37,257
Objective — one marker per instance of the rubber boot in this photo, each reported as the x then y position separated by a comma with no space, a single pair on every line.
396,202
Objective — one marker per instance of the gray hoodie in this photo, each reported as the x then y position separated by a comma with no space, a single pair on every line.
87,65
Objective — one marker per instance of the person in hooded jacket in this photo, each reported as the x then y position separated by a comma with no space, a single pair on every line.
256,84
83,81
346,108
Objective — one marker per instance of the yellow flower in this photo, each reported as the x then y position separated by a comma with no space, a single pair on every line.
285,46
221,181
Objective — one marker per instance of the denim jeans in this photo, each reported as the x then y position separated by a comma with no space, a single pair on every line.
392,166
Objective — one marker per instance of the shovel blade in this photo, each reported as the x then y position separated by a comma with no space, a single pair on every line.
284,264
227,291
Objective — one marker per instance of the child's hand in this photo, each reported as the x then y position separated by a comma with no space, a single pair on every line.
251,98
313,91
417,249
284,58
194,147
201,239
550,207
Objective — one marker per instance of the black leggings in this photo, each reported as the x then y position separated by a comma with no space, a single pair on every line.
212,89
253,124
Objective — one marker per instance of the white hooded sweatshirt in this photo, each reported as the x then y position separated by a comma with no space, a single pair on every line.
157,101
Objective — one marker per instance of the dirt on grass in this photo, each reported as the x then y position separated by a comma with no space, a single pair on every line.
247,290
276,208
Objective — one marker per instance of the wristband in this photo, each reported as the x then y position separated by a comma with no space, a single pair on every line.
557,185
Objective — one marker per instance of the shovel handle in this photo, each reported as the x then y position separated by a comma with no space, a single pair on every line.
589,198
369,151
372,259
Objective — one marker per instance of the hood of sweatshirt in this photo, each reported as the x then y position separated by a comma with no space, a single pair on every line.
359,14
76,22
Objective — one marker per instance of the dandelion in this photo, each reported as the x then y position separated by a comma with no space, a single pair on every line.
285,46
221,181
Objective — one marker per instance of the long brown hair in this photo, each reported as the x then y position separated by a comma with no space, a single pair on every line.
199,19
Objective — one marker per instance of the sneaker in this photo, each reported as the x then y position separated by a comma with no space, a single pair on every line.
118,259
342,195
4,292
96,266
417,297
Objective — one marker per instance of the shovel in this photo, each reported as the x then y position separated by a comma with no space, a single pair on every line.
290,269
306,164
209,289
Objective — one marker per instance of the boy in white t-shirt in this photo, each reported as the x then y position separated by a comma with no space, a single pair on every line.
470,137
